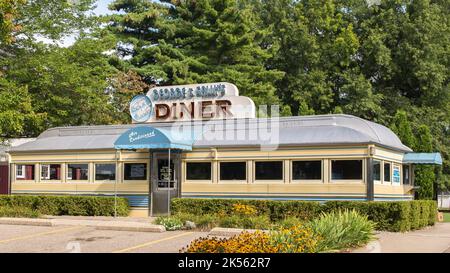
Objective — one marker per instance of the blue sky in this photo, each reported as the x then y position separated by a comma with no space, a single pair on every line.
102,7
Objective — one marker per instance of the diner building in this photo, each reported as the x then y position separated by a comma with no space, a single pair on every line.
321,158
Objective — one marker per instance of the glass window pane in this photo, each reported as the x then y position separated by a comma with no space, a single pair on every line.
233,170
135,171
396,174
51,172
198,171
24,172
269,170
406,178
376,170
77,171
105,171
387,172
346,169
307,170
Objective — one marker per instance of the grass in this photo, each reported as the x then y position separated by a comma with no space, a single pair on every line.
447,217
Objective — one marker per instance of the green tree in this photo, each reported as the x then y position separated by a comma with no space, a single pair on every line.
180,42
67,85
424,174
8,14
402,128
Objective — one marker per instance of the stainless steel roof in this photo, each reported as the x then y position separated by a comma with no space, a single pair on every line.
283,131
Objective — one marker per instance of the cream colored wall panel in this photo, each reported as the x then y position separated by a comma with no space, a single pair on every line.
80,187
273,188
381,153
387,189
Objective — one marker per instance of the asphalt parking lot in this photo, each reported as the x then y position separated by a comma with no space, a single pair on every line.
79,239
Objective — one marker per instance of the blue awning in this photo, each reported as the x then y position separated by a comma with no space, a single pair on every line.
148,137
422,158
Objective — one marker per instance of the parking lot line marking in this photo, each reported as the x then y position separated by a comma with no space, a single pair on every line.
39,234
151,243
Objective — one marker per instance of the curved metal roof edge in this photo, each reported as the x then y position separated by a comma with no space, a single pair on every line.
56,131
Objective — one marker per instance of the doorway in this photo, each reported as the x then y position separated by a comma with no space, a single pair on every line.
160,188
4,179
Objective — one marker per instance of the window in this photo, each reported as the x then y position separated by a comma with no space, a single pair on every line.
233,170
406,178
377,170
346,169
269,170
198,171
165,174
77,171
307,170
51,172
396,174
135,171
105,171
387,172
20,171
25,172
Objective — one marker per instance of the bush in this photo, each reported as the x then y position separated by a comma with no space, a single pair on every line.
246,242
393,215
342,229
295,240
289,222
390,216
170,223
18,212
67,205
276,210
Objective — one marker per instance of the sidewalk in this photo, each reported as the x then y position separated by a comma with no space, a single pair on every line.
104,223
434,239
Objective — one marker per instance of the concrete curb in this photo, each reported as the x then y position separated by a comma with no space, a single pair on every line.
101,225
25,221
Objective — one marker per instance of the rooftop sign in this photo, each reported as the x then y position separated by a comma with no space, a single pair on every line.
191,102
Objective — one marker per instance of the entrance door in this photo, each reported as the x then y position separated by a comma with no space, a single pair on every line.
4,183
161,189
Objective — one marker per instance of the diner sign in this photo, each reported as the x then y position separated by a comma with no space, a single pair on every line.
192,102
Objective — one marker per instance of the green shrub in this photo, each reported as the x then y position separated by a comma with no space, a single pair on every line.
342,229
170,223
6,211
387,215
68,205
289,222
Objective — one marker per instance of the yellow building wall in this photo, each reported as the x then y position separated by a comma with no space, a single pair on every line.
286,187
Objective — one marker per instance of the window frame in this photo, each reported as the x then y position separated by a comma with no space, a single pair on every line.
22,169
48,180
76,181
343,181
400,177
390,173
185,166
104,163
237,181
15,180
314,181
147,173
381,171
268,181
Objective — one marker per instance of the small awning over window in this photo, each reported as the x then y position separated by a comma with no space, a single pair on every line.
148,137
422,158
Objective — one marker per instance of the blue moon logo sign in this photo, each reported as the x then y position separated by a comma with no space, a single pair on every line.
141,108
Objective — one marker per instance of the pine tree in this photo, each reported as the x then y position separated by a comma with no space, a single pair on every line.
196,42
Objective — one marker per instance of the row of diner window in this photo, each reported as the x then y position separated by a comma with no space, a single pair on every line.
80,172
301,170
264,170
